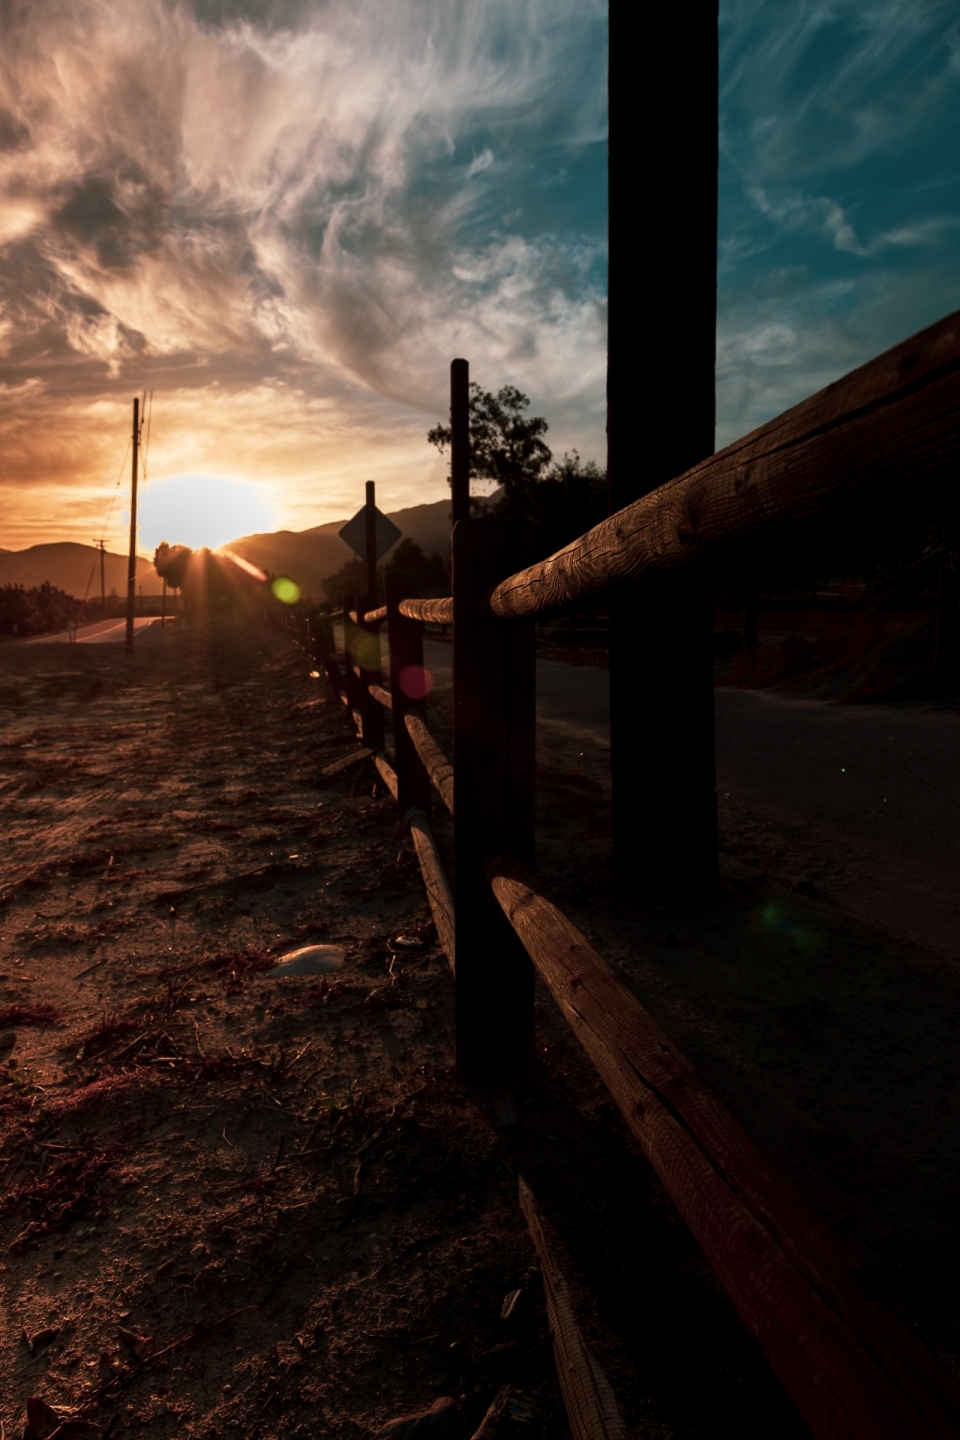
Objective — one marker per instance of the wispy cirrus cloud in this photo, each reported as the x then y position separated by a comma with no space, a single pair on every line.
326,200
839,194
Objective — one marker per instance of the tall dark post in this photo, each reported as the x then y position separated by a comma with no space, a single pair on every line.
103,581
351,681
751,602
945,637
493,758
460,439
163,603
405,639
132,562
660,421
367,640
370,518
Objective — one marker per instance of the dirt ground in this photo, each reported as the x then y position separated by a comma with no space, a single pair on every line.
279,1180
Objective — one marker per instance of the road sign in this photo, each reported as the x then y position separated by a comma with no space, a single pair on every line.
354,533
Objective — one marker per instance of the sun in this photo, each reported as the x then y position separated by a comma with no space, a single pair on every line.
199,510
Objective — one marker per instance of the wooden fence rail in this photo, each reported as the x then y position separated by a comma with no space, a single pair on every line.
890,426
853,1371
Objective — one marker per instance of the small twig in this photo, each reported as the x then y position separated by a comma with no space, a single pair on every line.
195,1334
494,1411
95,966
263,1407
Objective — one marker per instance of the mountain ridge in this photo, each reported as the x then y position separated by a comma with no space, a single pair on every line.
307,556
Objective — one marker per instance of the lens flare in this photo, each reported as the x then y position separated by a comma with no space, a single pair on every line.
286,590
416,682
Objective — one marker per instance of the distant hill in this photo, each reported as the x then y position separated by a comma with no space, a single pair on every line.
73,568
309,556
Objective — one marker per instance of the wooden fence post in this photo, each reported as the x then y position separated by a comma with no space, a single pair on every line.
751,602
493,750
405,641
661,716
459,440
367,639
351,682
945,638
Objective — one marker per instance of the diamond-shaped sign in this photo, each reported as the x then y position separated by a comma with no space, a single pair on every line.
354,533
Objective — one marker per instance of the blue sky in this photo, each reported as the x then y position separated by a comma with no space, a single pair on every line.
839,229
285,219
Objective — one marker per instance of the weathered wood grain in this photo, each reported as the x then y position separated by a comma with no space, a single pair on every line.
587,1397
895,419
352,759
382,697
849,1366
386,772
435,763
434,612
435,883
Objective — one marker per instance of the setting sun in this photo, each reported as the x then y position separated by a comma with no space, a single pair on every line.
199,510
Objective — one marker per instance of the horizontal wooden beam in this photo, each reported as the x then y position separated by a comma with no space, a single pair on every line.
433,612
386,772
851,1369
435,883
382,697
587,1397
435,763
886,428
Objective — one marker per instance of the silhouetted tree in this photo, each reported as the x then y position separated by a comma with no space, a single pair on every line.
506,444
557,499
171,561
351,578
39,610
431,572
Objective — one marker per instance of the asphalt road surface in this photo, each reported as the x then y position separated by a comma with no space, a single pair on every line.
101,632
860,801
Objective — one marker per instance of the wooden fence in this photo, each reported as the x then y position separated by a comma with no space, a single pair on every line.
879,433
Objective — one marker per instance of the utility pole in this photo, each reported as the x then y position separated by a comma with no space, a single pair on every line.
132,563
103,580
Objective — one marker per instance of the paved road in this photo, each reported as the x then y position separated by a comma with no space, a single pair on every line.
863,801
101,632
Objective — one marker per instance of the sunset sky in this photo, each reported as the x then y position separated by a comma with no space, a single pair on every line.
284,219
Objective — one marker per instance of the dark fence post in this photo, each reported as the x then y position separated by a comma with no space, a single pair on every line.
367,640
405,641
751,601
661,707
945,643
351,679
459,440
493,749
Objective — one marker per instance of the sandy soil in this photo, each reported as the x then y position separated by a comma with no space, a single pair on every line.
281,1179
